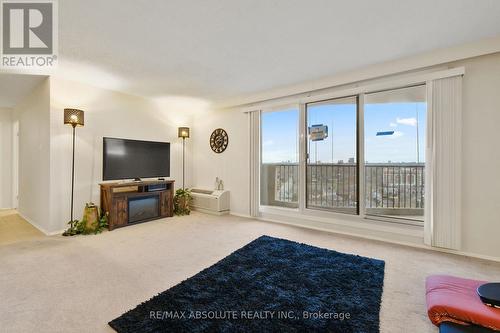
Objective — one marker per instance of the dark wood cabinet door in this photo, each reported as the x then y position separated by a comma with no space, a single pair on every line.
120,207
170,203
166,208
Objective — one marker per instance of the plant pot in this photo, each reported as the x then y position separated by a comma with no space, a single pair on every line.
183,203
91,217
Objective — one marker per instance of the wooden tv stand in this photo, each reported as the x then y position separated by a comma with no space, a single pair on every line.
134,202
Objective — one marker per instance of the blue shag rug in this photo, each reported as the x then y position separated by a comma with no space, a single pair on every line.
269,285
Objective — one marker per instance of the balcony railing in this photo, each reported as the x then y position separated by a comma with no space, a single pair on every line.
390,188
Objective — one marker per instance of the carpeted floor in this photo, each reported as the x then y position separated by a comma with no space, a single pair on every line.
59,284
253,288
13,228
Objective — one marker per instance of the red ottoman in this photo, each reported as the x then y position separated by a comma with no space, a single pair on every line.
455,300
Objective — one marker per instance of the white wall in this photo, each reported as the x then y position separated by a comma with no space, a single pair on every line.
6,123
481,157
34,155
107,113
232,166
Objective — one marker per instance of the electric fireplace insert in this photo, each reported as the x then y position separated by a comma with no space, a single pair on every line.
143,208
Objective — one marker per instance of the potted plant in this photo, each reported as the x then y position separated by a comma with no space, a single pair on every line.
90,223
182,200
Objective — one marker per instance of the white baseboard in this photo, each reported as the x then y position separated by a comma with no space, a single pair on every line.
463,253
331,230
33,223
210,212
390,239
54,233
393,240
240,215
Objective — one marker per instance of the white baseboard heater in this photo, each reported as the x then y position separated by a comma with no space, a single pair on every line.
210,201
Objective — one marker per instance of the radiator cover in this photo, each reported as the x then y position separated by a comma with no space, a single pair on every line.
210,201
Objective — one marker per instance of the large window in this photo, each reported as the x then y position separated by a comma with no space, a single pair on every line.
279,173
382,139
332,169
395,131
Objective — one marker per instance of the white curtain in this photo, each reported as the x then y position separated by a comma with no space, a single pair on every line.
444,153
254,128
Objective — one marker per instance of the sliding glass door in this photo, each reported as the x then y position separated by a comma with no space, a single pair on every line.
332,167
361,159
395,131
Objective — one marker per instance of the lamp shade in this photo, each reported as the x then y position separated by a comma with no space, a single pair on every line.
73,117
183,132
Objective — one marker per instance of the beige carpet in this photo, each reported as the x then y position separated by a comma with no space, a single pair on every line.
13,228
78,284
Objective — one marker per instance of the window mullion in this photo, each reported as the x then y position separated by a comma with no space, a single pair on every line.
361,155
302,157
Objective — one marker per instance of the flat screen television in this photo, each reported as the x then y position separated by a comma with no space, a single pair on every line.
126,159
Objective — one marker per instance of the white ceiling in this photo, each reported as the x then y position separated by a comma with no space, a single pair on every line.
223,49
14,88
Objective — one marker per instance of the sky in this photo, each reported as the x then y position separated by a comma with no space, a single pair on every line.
280,133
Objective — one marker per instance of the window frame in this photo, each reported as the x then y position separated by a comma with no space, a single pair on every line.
306,155
332,93
360,93
280,108
386,218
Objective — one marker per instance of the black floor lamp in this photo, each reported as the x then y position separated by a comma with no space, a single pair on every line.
183,132
73,117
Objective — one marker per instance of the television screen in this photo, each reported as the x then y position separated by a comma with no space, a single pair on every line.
125,159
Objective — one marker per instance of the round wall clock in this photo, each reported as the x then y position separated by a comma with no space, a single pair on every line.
219,140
